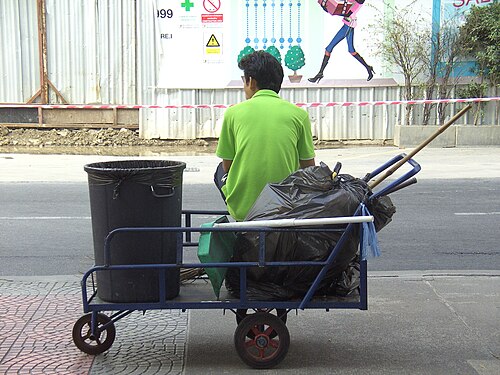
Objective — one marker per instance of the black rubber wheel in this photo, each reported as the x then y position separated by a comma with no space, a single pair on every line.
262,340
242,314
88,343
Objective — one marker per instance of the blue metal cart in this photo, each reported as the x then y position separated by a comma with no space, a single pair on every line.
262,338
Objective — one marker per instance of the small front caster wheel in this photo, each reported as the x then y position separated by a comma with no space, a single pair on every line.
262,340
97,342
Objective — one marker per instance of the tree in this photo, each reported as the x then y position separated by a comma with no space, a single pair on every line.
404,43
480,38
441,61
422,56
474,90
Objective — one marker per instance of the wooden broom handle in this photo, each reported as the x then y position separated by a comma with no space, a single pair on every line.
396,166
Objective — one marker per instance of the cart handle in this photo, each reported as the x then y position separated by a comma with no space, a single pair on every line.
420,147
411,181
394,185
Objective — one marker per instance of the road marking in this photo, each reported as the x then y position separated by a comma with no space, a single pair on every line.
44,217
476,213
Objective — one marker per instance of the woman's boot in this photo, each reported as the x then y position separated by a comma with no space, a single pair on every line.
369,68
318,76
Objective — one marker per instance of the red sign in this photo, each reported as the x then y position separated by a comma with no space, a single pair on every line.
211,18
211,6
461,3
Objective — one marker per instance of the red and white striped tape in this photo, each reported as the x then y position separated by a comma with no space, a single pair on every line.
223,106
397,102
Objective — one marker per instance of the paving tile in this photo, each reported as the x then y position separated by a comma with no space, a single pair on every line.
36,325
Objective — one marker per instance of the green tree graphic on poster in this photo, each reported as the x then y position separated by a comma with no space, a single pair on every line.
294,60
273,50
245,51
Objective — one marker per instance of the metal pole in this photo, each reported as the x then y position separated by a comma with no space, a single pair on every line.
42,51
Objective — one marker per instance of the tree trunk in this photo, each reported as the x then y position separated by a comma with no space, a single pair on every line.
408,96
429,93
443,93
497,108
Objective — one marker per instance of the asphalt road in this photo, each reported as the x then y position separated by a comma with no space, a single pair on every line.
439,225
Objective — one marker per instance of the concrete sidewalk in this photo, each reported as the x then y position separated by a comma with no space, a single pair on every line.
416,323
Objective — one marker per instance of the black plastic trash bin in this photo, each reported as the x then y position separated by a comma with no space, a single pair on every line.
135,193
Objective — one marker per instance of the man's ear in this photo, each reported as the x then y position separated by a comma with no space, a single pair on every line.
254,86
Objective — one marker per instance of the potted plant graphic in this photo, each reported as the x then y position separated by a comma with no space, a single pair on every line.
294,60
245,51
275,52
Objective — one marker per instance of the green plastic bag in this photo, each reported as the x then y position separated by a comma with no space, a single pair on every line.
216,247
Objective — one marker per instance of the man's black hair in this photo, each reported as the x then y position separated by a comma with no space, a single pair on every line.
264,68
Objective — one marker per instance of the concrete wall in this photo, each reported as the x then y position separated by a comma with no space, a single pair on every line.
69,118
454,136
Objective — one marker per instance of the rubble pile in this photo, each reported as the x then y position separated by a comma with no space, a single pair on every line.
41,138
62,140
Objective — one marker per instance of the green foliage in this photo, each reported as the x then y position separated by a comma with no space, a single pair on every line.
403,41
294,58
480,39
275,52
245,51
475,90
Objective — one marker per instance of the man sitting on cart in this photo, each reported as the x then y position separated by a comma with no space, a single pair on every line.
263,139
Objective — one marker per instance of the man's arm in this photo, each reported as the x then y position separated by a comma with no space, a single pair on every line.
226,164
307,163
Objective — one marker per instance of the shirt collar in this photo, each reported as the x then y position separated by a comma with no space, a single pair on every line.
265,92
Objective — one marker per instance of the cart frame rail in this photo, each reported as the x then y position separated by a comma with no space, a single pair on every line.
96,323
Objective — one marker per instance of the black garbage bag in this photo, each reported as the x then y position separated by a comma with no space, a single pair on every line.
306,193
382,210
347,283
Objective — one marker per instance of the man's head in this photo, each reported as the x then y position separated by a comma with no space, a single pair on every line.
262,72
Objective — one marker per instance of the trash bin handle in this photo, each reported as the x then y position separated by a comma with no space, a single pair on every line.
156,195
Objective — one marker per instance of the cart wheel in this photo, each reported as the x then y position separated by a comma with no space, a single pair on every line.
242,314
89,343
262,340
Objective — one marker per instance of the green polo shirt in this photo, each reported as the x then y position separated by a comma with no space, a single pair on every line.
265,137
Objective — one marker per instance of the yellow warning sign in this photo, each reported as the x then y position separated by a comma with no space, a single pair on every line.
213,51
213,42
